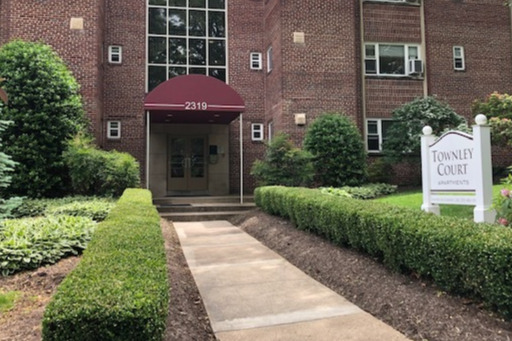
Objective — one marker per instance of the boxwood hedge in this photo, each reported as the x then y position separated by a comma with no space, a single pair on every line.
461,256
119,291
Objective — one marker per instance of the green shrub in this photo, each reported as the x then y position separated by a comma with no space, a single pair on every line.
7,166
460,256
380,171
97,210
91,207
99,172
46,110
119,291
283,164
338,150
368,191
30,242
495,105
403,136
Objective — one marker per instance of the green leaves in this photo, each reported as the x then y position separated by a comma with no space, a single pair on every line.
338,150
46,109
30,242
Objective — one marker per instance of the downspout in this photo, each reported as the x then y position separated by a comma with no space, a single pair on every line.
363,77
241,159
148,131
424,49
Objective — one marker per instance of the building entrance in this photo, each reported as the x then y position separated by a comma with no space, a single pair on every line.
187,160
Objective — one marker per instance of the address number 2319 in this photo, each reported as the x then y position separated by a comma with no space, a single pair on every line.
196,105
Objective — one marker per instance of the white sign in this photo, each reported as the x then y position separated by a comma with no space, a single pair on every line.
451,163
457,169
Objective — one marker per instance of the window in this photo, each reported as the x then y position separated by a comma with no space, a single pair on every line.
270,131
115,54
186,37
415,2
391,59
256,61
257,131
376,131
270,61
114,129
458,58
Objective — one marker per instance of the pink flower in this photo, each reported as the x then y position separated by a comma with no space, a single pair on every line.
503,221
505,192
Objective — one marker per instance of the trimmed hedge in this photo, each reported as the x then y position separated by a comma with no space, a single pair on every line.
460,256
119,291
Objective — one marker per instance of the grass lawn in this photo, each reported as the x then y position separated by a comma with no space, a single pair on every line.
414,199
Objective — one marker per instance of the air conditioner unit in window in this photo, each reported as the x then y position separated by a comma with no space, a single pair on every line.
415,67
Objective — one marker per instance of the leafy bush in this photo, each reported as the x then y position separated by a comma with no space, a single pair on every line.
99,172
495,105
46,109
119,291
92,207
380,171
30,242
403,136
283,164
368,191
503,202
459,255
338,150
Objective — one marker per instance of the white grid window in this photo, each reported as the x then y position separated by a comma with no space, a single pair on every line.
256,61
391,59
459,63
114,129
376,133
257,131
186,37
115,54
270,59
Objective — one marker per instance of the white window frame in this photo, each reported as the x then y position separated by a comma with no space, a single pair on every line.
376,58
270,130
257,131
270,59
458,57
113,52
256,61
412,2
379,133
114,130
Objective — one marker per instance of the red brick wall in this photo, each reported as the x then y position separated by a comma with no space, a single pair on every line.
81,50
245,35
322,74
124,88
483,29
390,23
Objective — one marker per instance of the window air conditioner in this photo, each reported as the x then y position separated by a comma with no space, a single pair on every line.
415,67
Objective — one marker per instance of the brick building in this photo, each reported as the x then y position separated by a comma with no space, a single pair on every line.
280,63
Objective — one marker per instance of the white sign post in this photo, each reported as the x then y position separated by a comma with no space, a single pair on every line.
457,170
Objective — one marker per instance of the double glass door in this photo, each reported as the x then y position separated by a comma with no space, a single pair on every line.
187,159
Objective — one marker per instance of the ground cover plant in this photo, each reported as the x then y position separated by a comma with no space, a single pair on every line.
120,290
368,191
7,300
47,230
460,256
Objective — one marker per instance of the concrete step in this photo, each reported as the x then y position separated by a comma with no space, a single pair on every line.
200,216
205,207
202,200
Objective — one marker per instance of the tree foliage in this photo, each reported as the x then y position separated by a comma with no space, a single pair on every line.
283,164
404,135
6,168
338,150
46,109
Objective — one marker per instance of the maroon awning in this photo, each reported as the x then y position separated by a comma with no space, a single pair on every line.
193,99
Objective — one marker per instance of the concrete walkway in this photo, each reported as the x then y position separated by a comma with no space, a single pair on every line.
252,293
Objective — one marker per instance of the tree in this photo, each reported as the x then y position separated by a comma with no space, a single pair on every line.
338,150
283,164
403,137
46,109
